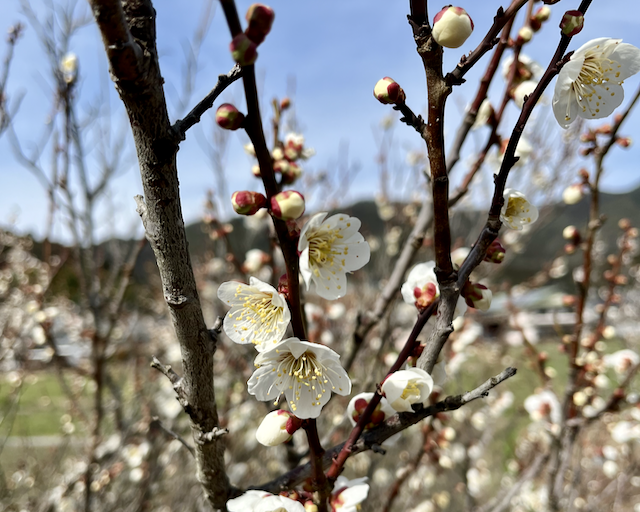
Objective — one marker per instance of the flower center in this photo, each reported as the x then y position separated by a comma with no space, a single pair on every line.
516,206
321,246
594,72
258,312
304,373
411,390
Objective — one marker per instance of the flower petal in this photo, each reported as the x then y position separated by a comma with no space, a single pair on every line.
602,102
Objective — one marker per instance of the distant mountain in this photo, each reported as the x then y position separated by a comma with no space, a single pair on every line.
541,245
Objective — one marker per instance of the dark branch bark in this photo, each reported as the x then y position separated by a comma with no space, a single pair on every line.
128,32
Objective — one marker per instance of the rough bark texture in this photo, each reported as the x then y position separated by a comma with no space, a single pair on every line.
128,32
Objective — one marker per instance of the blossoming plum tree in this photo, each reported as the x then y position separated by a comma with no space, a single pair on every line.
306,384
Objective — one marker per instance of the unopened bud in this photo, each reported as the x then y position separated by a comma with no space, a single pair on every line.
542,14
243,50
624,224
451,27
388,91
624,142
495,252
588,136
620,280
281,166
525,34
287,205
260,18
522,92
285,103
229,117
476,295
310,506
584,174
570,248
277,427
571,233
69,68
572,194
255,170
291,174
246,202
572,23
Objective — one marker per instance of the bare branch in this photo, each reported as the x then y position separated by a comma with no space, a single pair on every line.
375,437
181,126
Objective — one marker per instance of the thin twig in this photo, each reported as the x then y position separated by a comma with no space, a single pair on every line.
376,436
182,125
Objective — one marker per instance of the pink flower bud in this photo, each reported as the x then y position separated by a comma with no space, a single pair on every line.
476,295
260,18
246,202
229,117
287,205
388,91
285,103
572,23
277,427
451,27
624,142
243,50
495,253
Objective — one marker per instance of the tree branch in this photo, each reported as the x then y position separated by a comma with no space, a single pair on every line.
182,125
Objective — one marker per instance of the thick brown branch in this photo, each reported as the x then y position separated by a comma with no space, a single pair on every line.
124,53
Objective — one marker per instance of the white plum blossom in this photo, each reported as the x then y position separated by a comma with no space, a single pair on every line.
329,248
258,314
306,373
621,361
348,494
407,387
544,406
517,212
262,501
590,84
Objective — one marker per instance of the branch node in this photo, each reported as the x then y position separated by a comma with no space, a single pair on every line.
177,301
209,437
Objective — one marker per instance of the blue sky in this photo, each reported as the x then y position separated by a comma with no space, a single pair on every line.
336,51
